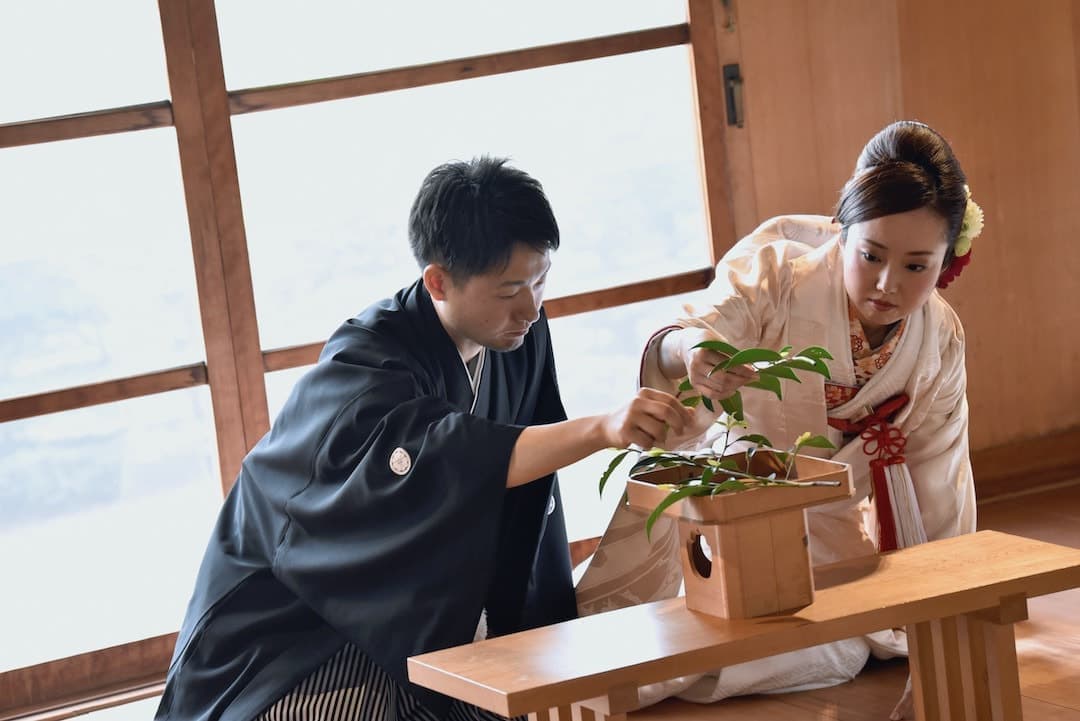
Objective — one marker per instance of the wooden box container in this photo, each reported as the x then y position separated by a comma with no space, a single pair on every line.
757,559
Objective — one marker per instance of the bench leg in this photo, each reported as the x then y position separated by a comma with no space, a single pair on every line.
963,668
557,713
610,707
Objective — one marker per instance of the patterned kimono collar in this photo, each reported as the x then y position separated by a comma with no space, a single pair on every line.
866,360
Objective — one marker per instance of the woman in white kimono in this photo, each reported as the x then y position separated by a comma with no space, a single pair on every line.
861,285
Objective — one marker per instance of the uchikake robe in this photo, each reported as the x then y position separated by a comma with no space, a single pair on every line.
375,512
783,285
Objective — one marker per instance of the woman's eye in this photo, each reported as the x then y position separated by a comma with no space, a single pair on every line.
916,268
870,257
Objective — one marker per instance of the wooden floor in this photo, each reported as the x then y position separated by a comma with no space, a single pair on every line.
1048,644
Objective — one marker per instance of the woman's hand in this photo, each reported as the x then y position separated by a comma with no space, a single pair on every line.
646,420
700,362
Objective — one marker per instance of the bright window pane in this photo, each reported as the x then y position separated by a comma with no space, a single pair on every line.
96,275
598,355
61,57
136,711
104,515
327,188
279,385
328,38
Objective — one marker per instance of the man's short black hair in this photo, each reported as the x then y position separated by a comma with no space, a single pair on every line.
468,217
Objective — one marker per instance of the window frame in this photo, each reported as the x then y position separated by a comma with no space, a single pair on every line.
200,108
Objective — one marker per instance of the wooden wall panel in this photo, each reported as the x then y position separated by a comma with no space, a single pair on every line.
779,106
821,78
1002,86
853,64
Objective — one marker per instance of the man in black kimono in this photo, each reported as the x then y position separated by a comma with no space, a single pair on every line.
406,494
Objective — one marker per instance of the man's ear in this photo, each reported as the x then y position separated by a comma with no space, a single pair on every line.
436,279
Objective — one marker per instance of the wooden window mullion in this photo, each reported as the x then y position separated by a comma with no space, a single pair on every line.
709,105
212,190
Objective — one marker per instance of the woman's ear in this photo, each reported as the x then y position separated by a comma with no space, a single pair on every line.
436,279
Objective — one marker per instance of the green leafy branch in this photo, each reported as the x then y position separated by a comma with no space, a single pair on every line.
709,474
771,366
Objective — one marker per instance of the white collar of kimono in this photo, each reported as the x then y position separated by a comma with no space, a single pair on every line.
475,370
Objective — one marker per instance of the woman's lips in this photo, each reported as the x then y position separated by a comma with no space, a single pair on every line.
882,305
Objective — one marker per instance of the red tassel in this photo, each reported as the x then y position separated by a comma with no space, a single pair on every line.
883,502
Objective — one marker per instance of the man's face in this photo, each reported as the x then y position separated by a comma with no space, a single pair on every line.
495,310
892,263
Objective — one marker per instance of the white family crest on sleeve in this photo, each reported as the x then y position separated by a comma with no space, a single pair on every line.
400,461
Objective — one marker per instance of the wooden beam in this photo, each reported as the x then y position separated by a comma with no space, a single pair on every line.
414,76
87,682
300,355
105,392
629,293
709,105
85,125
738,158
292,357
222,271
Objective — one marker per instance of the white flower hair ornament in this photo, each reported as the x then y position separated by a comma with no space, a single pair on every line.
969,230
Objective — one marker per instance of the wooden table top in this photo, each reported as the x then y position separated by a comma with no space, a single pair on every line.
584,658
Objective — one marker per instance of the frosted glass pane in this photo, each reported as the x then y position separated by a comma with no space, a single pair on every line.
598,355
338,37
279,385
327,188
96,272
104,515
61,57
136,711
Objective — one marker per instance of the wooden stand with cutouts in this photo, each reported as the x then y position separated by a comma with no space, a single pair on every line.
746,553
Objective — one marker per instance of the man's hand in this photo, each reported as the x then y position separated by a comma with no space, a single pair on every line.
700,362
905,709
646,420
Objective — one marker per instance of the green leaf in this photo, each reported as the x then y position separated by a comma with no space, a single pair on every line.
731,484
755,438
707,474
707,402
611,468
815,352
668,500
809,364
719,346
691,401
767,383
816,442
780,371
784,351
686,385
752,355
732,405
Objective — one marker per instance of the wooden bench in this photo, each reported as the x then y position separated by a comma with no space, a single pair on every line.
957,597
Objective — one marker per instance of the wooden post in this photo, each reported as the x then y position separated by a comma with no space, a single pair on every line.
709,102
963,668
222,272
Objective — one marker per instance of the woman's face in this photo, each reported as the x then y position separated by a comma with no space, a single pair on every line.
892,263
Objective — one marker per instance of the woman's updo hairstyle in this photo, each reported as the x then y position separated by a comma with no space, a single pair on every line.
906,166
